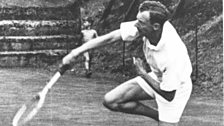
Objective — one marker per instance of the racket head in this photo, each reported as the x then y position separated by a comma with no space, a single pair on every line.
28,110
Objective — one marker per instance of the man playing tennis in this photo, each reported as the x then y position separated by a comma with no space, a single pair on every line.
169,81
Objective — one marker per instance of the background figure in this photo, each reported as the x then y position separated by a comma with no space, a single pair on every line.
87,34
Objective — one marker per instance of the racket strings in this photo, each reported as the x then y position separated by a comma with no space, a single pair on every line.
26,113
29,110
18,115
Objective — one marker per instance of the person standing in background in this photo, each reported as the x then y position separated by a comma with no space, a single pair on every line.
87,34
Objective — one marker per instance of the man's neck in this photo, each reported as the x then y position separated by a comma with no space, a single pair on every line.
154,38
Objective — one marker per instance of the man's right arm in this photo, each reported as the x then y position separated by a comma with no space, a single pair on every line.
93,43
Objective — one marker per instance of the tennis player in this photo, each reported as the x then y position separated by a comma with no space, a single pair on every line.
168,83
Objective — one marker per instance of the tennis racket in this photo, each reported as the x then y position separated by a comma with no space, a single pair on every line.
31,108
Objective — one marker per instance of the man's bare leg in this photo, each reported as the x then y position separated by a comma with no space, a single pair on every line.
87,64
125,98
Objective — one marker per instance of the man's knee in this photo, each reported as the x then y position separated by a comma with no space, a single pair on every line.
110,103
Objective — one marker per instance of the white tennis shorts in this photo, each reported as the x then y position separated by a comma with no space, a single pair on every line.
168,111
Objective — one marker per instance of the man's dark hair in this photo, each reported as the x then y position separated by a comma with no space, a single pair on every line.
158,12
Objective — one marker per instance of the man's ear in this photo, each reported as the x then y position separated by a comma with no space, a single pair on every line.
156,26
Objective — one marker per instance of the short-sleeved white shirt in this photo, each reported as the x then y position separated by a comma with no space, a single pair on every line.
168,60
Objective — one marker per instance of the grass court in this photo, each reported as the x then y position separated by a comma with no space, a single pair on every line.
77,101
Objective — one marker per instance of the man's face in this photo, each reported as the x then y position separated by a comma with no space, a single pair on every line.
144,26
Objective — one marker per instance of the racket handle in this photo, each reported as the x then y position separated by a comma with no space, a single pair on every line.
63,68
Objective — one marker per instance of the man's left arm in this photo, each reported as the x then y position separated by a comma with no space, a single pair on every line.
168,95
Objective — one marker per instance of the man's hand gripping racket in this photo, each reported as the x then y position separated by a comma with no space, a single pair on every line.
29,110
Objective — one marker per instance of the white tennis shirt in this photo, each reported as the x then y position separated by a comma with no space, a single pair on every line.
168,60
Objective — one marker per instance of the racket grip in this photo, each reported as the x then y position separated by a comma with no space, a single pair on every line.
63,68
